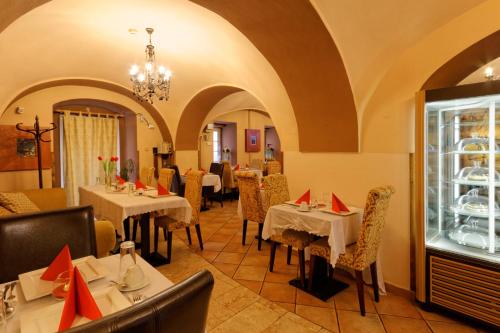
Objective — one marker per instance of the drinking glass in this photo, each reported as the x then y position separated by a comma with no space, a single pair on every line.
127,258
60,286
3,316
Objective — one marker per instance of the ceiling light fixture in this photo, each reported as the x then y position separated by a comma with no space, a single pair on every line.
145,120
488,73
153,80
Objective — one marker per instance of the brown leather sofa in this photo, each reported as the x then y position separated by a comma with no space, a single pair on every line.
32,240
48,199
181,308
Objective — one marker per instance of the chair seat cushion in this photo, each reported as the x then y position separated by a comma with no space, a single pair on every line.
169,223
320,248
297,239
347,258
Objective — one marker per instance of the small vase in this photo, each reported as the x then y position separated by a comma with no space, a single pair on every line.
107,182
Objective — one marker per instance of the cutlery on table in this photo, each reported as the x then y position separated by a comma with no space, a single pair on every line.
138,298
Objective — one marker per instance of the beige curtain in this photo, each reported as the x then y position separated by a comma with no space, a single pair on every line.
86,138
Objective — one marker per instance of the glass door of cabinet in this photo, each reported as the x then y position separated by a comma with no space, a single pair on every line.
462,180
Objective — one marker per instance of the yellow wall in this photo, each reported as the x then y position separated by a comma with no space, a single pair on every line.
40,103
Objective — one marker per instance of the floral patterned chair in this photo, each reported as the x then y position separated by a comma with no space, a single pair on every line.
251,202
168,224
273,167
257,163
363,253
228,179
146,175
276,193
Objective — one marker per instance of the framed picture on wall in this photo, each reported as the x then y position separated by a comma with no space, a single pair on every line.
252,140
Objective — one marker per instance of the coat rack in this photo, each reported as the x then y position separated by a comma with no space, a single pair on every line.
37,133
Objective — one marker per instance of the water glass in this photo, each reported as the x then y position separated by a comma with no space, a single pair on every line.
60,286
127,258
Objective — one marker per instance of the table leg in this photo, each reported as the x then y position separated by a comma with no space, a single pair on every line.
155,259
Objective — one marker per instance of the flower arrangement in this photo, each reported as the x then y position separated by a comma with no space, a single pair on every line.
109,165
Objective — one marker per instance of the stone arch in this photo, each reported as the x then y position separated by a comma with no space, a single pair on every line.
464,63
155,114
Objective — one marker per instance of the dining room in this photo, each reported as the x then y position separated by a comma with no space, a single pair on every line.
249,166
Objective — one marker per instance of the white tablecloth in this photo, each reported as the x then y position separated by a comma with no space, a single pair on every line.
117,207
158,284
210,179
341,230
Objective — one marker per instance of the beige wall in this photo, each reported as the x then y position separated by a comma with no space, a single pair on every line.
40,103
351,176
244,119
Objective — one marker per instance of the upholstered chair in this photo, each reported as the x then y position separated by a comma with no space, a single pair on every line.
228,179
146,175
251,202
363,253
273,167
257,163
217,169
276,193
168,224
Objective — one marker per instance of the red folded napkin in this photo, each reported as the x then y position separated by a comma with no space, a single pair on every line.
120,180
187,171
139,185
337,205
162,190
236,167
60,264
78,301
305,197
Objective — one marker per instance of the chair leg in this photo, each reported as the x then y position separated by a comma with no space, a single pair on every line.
289,255
156,237
244,232
259,244
373,270
165,234
302,268
126,227
273,255
361,295
134,228
198,233
312,264
188,232
169,247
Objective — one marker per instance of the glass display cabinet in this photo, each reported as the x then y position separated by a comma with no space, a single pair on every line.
460,193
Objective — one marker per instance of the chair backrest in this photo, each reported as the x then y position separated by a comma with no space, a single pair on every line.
257,163
227,175
40,198
376,206
146,175
31,241
165,177
275,190
177,181
194,180
250,197
217,169
273,167
181,308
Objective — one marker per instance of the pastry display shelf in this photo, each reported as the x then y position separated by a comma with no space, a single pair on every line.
467,123
469,212
473,182
444,244
469,152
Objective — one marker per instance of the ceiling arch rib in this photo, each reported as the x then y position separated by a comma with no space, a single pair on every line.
195,112
293,38
155,114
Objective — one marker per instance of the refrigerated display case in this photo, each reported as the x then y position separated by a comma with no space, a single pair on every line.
460,202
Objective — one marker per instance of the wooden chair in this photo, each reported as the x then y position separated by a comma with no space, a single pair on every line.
168,224
228,179
165,178
217,169
363,253
276,193
251,202
178,184
273,167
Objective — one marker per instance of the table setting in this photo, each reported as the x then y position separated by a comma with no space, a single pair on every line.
70,292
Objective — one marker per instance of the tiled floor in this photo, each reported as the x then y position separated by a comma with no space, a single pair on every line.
241,275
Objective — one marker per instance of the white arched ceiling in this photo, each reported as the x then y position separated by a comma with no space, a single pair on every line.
89,39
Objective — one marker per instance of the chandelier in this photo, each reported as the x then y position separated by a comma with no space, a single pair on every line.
153,80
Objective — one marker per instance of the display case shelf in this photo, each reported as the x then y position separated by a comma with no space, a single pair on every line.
472,182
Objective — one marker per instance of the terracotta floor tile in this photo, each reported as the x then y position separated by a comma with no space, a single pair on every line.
209,255
252,259
253,273
278,292
236,247
435,316
216,237
443,327
229,258
395,324
347,300
254,286
304,298
353,322
287,306
321,316
282,275
255,318
228,269
214,246
291,323
398,306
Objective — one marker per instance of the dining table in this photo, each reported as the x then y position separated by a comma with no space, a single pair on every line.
119,206
342,229
36,308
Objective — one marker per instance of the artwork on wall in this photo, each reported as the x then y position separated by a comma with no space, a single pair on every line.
18,150
252,140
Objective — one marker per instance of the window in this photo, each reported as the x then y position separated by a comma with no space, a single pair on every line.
217,144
